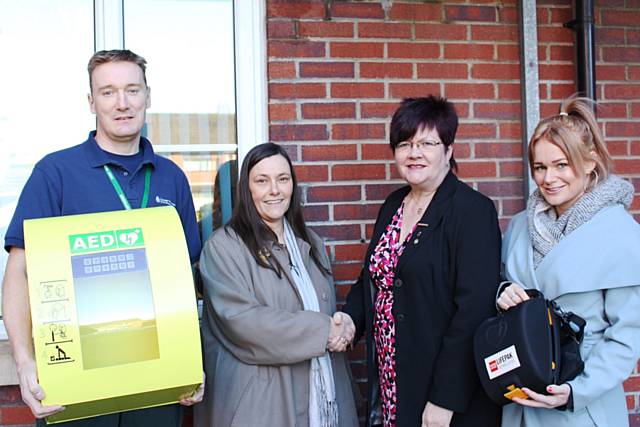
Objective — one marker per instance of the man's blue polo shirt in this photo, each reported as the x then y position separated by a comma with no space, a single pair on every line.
73,181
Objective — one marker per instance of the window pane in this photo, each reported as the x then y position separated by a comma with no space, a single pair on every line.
45,46
188,45
212,177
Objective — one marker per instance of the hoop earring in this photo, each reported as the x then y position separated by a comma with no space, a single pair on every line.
595,181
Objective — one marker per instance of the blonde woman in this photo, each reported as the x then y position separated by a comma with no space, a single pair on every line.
577,244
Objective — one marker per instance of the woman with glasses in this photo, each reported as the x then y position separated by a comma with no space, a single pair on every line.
577,244
429,278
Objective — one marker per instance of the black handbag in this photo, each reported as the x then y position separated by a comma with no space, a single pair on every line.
531,345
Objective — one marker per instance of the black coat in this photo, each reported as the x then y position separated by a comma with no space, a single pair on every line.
444,286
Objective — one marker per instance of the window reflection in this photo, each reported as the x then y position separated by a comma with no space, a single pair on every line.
172,128
45,46
212,178
192,120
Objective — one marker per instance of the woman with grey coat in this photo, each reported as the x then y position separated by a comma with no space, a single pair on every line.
273,342
577,244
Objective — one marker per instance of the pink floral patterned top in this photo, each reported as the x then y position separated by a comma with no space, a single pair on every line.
382,267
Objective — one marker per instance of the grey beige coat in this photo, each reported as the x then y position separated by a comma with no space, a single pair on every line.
258,340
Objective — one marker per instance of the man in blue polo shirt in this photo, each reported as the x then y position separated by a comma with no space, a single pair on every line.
115,168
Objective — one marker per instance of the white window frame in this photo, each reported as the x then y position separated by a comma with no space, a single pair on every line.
251,74
108,16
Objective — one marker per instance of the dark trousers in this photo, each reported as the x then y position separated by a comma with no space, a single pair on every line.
161,416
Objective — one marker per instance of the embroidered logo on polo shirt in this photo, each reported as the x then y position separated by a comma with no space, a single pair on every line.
162,201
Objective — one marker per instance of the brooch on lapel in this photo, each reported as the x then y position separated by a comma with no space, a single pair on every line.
264,254
420,224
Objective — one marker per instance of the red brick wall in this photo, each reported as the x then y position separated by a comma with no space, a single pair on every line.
336,75
12,411
618,89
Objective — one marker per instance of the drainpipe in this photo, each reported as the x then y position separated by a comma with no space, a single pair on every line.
583,25
530,96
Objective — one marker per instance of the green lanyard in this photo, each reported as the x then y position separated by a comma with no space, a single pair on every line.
123,198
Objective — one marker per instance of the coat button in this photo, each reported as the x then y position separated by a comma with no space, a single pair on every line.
397,283
324,296
400,317
125,173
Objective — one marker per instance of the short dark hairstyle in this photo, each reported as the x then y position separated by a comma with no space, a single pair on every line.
116,55
247,223
431,112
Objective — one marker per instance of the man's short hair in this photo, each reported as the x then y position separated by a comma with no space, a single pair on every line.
116,55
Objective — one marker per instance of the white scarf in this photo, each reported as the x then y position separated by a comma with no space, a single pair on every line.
323,408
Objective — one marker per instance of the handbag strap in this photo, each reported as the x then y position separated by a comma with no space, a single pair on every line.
575,323
533,293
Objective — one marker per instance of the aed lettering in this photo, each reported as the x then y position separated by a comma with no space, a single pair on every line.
95,241
106,240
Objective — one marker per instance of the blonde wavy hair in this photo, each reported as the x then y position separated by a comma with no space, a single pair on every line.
575,131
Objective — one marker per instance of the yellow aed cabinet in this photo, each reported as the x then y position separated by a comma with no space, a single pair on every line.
115,322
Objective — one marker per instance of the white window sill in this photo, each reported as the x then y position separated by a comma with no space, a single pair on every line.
8,375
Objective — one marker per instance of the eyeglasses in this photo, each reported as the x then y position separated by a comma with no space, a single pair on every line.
424,146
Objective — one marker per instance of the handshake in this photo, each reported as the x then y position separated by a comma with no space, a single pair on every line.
341,333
